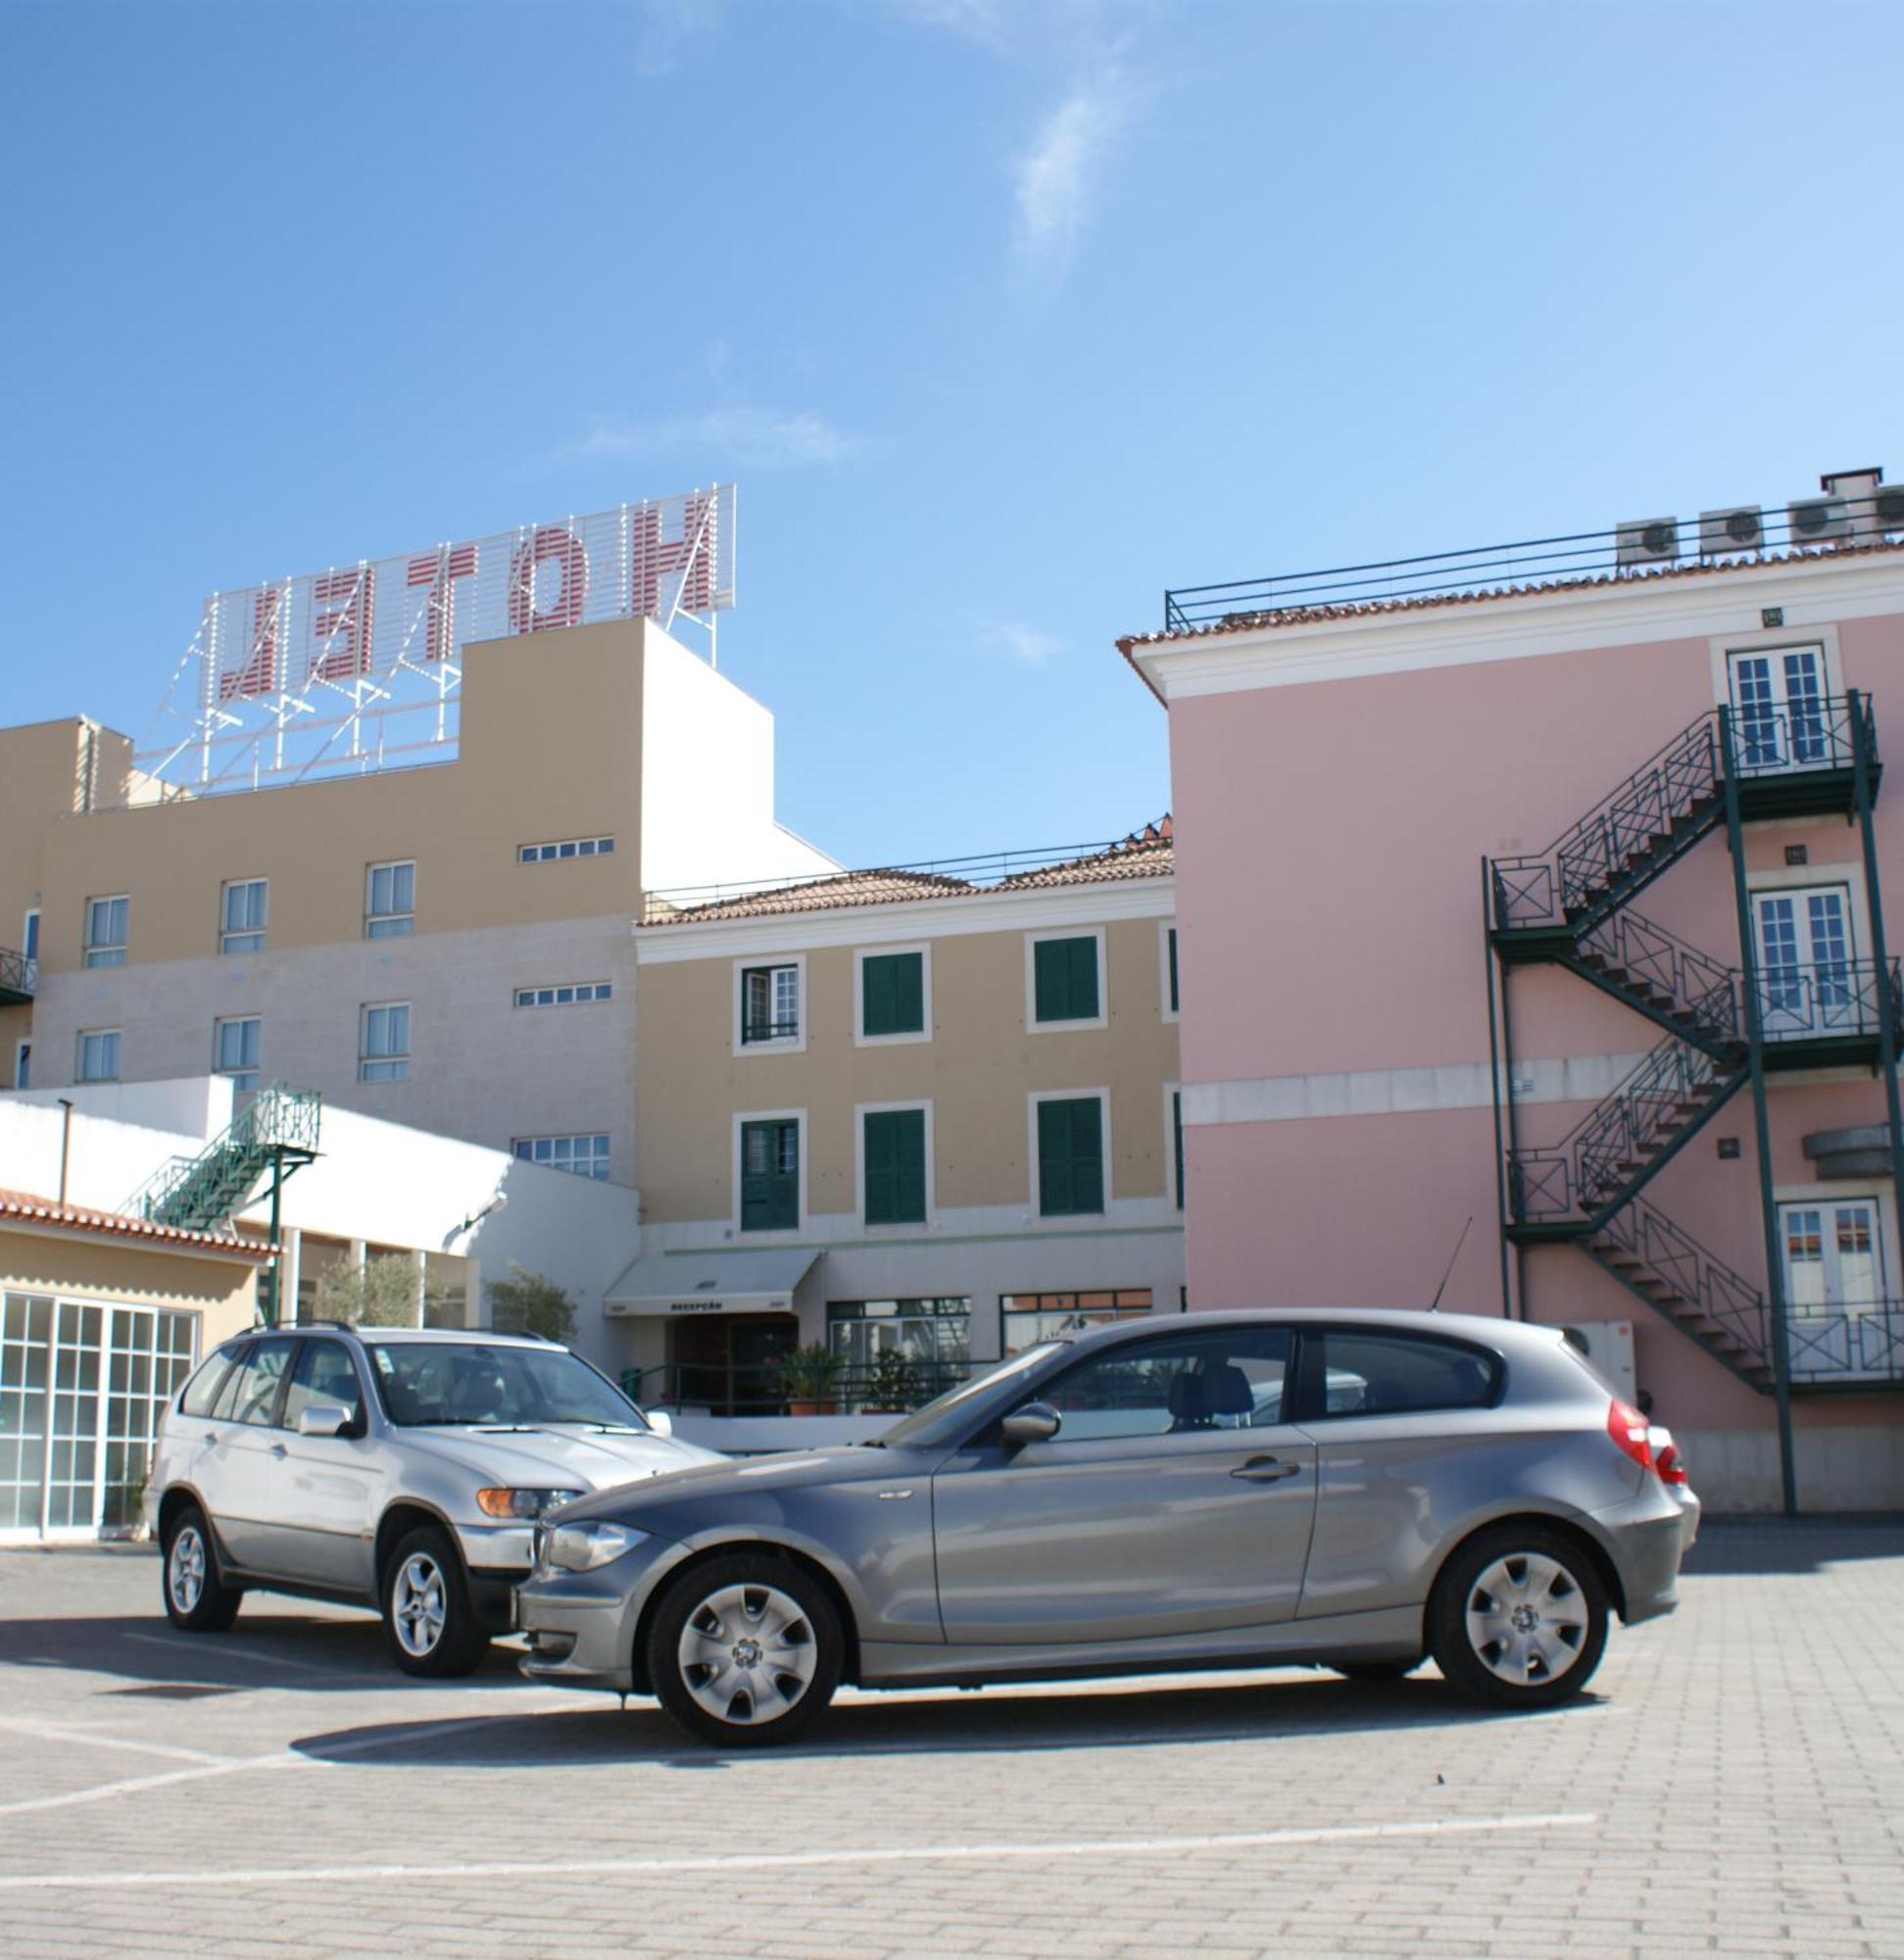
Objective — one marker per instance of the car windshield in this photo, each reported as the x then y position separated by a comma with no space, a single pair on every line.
942,1422
425,1382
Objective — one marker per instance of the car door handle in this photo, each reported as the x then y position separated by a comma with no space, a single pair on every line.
279,1450
1265,1470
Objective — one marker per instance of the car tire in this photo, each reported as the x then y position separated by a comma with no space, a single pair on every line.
1518,1618
1376,1670
744,1651
428,1616
197,1599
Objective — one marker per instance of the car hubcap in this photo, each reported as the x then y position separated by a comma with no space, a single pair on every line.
748,1654
1527,1618
417,1604
185,1569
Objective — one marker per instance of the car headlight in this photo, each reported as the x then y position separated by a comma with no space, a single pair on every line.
582,1547
501,1503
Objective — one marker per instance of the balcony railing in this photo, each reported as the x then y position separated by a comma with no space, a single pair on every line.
1532,565
1846,1343
19,975
1827,1000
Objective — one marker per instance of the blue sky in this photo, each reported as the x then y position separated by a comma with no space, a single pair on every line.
1003,315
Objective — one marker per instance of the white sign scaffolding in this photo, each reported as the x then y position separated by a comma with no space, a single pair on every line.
359,669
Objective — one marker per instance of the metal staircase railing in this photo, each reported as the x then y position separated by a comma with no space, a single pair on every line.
1659,974
200,1192
1625,1139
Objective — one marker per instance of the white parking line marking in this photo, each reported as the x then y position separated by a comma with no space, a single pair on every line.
265,1658
776,1861
57,1731
277,1759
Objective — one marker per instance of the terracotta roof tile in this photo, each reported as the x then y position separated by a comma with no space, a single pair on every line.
25,1208
1308,615
1145,854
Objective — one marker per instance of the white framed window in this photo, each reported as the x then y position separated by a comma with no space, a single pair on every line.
770,1004
29,934
1065,980
892,1168
1167,967
570,994
1810,981
585,1155
236,1045
769,1160
567,846
891,995
1779,697
390,900
383,1043
96,1057
243,908
107,924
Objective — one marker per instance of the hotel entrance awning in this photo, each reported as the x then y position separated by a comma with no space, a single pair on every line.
678,1285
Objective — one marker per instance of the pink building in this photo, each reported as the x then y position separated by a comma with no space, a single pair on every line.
1558,906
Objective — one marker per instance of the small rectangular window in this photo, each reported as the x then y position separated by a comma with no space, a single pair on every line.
106,923
98,1056
895,1144
29,936
770,1173
1065,979
235,1048
22,1064
242,914
383,1054
769,1004
892,994
390,900
567,846
570,994
1070,1155
585,1156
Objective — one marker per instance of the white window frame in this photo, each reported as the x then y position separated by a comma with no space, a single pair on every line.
406,921
1820,1197
1064,1221
365,1058
1034,940
862,953
1165,928
860,1111
85,1034
784,1233
581,993
565,850
225,934
794,1043
87,947
236,1075
571,1137
1772,640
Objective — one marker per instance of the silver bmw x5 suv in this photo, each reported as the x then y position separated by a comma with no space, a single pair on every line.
388,1467
1355,1490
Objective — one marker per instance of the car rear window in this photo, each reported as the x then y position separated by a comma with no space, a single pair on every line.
1361,1371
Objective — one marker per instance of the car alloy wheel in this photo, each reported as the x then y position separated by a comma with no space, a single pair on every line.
417,1608
185,1570
1527,1618
197,1598
748,1655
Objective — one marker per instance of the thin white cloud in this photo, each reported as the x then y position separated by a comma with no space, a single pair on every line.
758,438
1024,644
1056,179
665,31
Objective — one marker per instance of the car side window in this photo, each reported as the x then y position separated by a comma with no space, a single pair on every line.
324,1373
1354,1371
202,1390
251,1395
1195,1383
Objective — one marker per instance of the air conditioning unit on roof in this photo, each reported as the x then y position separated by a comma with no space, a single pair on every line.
1647,541
1887,508
1739,527
1818,521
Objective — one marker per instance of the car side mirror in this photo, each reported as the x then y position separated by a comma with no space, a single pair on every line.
324,1419
659,1421
1035,1422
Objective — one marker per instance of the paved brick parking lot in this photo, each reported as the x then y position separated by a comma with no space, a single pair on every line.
1735,1785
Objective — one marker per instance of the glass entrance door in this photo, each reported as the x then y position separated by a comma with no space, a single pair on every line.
1779,709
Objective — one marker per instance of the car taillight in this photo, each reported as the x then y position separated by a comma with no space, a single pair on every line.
1629,1429
1667,1464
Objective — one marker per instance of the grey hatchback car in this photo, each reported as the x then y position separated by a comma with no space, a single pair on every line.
1354,1490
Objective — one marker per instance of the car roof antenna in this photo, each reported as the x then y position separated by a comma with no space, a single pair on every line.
1434,1306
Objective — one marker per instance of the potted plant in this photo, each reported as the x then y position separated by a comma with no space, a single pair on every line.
889,1387
806,1378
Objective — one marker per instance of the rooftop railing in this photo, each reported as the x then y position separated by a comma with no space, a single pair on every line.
1634,551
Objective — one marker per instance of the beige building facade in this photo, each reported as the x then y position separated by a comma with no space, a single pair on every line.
899,1114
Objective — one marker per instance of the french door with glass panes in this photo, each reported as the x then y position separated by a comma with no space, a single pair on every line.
1834,1283
1779,713
1808,984
82,1387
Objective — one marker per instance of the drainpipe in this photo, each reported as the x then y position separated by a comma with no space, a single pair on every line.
65,1142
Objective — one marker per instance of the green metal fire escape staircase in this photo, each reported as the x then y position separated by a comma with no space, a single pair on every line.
1571,905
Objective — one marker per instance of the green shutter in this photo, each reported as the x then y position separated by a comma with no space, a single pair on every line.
896,1167
1173,969
1064,979
1177,1138
891,998
1070,1156
769,1171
